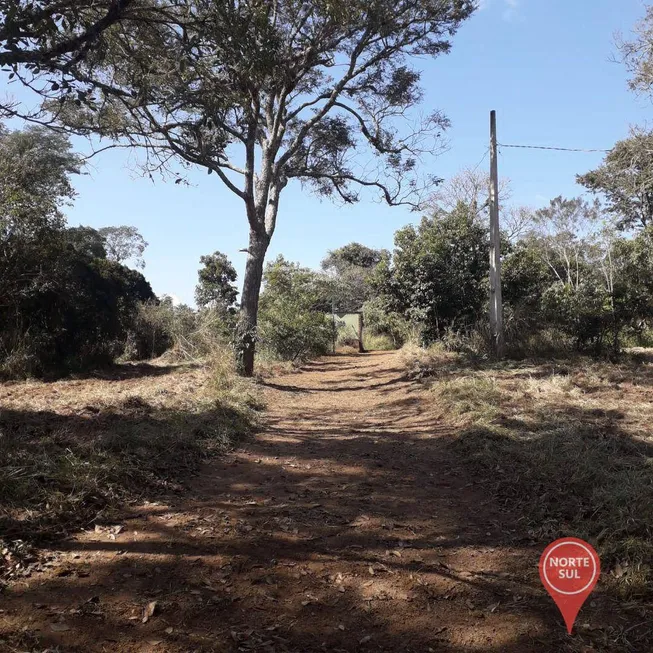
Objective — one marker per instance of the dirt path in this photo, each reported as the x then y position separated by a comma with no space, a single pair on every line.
344,525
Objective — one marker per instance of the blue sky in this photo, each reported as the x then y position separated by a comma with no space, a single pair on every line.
544,65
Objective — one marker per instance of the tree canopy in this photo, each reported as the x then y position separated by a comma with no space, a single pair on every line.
35,169
124,243
41,39
625,179
263,93
638,54
51,33
216,287
350,269
438,276
63,304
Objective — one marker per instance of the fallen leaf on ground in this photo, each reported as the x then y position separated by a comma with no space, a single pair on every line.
59,627
148,611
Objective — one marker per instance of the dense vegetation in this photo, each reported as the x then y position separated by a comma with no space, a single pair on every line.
67,302
574,278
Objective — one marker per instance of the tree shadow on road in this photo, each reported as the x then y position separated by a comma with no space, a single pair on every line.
341,527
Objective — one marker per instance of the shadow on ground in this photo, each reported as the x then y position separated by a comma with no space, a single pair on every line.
350,523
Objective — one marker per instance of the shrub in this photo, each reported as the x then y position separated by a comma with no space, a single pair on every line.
66,310
379,320
292,323
377,342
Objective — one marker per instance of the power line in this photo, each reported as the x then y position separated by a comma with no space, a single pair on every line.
558,149
475,168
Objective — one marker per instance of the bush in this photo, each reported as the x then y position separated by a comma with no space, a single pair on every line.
66,310
292,323
379,320
377,342
439,270
289,333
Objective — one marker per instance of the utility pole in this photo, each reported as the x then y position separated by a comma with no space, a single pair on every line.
335,329
496,304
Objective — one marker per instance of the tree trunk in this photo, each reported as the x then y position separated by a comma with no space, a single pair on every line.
246,337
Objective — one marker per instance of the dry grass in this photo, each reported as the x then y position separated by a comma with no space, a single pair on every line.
75,450
566,446
378,342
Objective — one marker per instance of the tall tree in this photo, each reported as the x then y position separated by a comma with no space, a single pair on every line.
438,276
86,240
216,282
562,231
124,243
638,54
47,33
350,268
261,93
35,168
625,179
469,186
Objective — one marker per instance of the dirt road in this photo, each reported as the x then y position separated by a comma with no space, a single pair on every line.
344,525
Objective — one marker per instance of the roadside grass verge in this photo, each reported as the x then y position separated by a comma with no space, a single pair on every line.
73,452
565,446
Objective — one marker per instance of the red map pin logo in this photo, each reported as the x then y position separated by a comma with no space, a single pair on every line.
569,569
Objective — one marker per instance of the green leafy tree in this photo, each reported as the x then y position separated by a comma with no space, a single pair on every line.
380,320
50,33
35,169
575,274
261,94
439,271
86,240
216,282
124,243
638,54
41,39
63,305
625,179
525,276
563,230
294,325
350,269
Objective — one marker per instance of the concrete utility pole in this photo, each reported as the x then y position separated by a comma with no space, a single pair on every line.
496,305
